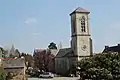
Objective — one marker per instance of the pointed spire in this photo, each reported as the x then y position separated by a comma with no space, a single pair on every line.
60,45
12,50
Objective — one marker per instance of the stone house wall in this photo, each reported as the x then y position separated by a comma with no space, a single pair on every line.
16,67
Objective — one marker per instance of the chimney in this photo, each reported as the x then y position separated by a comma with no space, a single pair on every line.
106,47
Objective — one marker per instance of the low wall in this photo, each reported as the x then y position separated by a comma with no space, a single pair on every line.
15,68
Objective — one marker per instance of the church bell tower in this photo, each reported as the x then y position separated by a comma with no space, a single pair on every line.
81,42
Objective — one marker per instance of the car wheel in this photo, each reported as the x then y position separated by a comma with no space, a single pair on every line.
40,76
50,77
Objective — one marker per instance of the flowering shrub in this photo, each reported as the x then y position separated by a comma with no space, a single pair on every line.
101,66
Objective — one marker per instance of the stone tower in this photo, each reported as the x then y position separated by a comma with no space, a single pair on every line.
81,42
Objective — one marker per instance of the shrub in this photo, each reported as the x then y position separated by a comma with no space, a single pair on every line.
2,73
106,66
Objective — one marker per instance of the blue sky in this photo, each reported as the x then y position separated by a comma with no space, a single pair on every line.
30,24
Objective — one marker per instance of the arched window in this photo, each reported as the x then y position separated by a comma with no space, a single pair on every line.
83,24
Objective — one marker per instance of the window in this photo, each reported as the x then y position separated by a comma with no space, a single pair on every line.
83,24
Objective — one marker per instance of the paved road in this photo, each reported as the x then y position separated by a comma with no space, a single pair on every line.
56,78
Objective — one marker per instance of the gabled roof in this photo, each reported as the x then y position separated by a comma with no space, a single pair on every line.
63,52
69,54
80,10
112,49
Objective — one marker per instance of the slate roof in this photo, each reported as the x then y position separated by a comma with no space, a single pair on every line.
69,54
112,49
80,10
63,52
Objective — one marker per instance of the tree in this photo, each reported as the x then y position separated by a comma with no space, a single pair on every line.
17,53
14,53
52,45
2,52
42,59
39,59
28,59
23,54
104,65
2,73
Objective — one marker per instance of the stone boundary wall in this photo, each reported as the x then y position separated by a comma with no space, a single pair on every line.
15,68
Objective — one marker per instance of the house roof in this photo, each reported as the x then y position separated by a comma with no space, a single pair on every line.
54,51
69,54
63,52
112,49
13,63
80,10
38,50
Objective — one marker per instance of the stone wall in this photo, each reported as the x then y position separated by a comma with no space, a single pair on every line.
15,68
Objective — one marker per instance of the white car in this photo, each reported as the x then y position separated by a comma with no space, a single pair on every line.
46,75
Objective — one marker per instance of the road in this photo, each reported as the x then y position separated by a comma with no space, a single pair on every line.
55,78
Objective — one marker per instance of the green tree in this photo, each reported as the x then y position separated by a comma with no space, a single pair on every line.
104,65
2,53
17,53
2,73
52,45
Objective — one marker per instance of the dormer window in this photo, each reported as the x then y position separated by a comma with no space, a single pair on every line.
83,24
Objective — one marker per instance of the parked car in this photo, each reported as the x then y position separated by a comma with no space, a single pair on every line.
46,75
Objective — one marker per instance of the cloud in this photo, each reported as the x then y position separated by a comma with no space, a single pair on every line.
35,34
30,20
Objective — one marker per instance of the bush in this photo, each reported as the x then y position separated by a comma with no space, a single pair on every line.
2,74
106,66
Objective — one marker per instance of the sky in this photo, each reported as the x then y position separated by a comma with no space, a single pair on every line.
30,24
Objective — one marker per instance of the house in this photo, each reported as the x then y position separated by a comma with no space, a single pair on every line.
63,60
15,66
112,49
81,42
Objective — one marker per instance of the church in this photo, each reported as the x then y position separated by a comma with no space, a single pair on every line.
81,42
